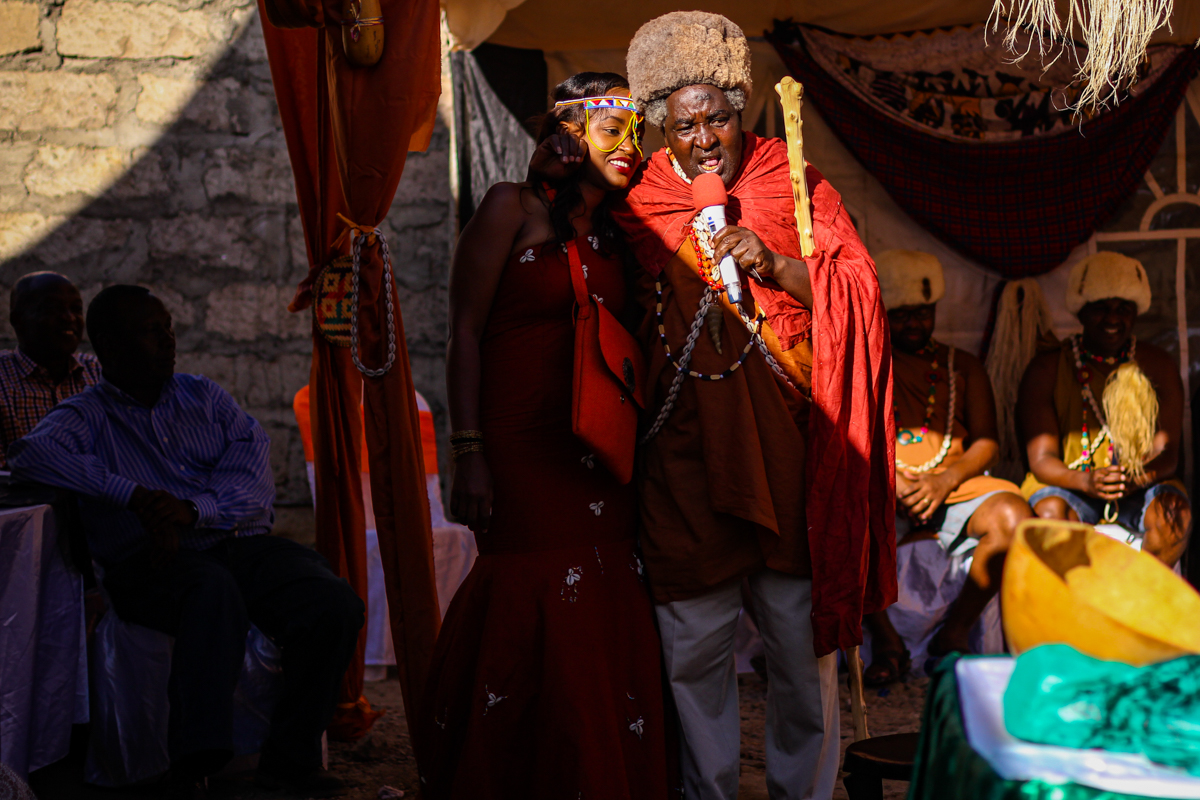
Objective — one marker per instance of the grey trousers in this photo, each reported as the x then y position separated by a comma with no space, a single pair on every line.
802,735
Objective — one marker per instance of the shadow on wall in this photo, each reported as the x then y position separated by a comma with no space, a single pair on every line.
205,214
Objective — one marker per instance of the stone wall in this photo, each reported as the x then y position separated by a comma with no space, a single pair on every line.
140,143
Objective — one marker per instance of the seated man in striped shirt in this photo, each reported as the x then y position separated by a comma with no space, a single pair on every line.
177,496
46,313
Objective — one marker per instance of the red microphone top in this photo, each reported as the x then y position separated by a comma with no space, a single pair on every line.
708,190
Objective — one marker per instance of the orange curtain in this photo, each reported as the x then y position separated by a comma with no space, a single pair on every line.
348,131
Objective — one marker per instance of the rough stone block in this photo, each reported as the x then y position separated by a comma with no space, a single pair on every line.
97,29
34,101
261,175
19,27
253,381
245,311
79,236
21,231
162,98
251,244
59,171
145,178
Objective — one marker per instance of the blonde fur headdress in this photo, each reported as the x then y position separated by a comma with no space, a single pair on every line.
684,48
1106,274
909,278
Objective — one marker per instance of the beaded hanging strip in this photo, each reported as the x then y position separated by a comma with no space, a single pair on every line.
903,435
948,438
1085,462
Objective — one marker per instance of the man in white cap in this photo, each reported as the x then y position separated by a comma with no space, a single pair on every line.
1102,416
945,441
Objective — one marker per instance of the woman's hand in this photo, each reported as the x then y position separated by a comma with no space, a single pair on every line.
557,158
924,493
471,492
1105,483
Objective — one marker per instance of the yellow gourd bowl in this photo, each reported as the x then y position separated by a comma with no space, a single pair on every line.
1065,583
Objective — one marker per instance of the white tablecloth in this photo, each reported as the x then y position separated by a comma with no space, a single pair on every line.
43,654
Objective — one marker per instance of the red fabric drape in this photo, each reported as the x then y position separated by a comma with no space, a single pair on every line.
348,132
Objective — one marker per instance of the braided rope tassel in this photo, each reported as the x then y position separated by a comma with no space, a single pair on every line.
762,346
388,283
685,358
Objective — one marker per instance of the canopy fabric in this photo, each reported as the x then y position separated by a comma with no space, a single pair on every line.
553,25
348,132
974,150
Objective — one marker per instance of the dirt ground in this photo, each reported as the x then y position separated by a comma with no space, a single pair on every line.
385,758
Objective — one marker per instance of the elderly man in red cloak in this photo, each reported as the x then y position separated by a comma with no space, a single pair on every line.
769,449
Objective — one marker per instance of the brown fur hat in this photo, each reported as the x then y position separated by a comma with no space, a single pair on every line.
684,48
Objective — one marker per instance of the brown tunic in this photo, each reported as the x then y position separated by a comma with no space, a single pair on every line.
911,392
723,481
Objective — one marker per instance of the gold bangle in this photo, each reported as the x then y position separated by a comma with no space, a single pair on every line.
472,435
462,450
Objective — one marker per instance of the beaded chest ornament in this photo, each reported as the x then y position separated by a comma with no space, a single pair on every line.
948,438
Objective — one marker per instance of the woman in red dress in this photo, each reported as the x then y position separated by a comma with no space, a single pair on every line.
546,679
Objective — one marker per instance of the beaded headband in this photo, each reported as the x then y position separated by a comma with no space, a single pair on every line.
604,101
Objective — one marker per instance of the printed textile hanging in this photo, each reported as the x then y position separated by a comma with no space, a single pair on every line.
985,154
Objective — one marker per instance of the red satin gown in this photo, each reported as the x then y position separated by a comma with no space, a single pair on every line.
546,678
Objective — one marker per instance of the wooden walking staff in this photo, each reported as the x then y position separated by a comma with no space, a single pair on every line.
790,94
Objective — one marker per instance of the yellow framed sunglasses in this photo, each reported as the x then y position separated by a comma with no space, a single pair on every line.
609,143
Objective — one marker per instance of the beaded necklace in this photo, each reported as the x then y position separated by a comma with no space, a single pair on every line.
701,239
904,435
948,438
1083,375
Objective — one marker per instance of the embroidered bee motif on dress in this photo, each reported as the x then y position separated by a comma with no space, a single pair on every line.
570,587
492,699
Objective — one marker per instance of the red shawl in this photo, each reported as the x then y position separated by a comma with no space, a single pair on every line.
851,504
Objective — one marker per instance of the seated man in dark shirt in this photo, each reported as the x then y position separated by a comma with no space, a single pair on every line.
177,497
46,313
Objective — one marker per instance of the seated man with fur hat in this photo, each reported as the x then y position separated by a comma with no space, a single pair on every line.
757,464
942,490
1102,416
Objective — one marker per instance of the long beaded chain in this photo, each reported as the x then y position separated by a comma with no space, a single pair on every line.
948,439
1086,460
904,435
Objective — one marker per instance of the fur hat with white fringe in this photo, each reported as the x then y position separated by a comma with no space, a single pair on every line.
685,48
909,278
1106,274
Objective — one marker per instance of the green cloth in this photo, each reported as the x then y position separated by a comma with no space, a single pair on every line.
1060,696
947,767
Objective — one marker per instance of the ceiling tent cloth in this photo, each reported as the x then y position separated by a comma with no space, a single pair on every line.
348,131
552,25
980,151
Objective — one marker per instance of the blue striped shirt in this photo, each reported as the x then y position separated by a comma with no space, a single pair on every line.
196,443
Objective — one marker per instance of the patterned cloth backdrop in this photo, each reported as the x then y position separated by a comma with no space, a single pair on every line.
982,152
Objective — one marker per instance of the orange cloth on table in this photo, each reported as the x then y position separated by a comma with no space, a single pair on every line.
911,392
848,496
300,405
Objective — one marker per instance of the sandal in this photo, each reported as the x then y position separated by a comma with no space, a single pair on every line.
887,667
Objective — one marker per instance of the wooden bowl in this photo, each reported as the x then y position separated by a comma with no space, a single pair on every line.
1065,583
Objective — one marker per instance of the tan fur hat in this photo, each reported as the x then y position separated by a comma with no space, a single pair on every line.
1106,274
685,48
909,278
